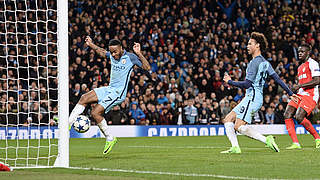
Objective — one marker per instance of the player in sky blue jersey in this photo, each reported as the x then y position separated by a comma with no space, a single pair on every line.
122,63
256,73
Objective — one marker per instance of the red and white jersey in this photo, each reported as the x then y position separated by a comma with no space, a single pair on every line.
306,71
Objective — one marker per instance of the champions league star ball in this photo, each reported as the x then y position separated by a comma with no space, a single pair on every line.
81,124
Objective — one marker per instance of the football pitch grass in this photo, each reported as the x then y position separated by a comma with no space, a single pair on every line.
182,158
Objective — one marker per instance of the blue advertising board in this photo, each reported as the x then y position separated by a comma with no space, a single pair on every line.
44,132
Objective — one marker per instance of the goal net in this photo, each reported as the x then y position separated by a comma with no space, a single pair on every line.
30,83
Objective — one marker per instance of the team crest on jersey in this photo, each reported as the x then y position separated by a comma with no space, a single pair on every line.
123,61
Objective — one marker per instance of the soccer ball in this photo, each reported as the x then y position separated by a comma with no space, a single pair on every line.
81,124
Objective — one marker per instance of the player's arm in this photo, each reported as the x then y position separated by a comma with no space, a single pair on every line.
293,96
315,81
315,73
102,52
276,77
145,64
241,84
250,76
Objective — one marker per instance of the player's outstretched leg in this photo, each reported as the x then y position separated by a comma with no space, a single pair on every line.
85,99
96,113
109,145
77,110
317,143
250,132
232,150
307,124
292,133
110,140
231,134
272,144
294,146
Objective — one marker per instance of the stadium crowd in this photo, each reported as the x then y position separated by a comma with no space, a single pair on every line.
189,45
28,62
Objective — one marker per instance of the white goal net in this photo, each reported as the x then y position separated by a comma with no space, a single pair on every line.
29,86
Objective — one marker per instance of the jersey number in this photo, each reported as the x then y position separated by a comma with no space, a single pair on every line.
107,100
242,109
263,77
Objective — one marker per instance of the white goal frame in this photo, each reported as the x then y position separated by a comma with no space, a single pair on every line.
63,84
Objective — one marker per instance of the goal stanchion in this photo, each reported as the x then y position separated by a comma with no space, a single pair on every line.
63,85
33,83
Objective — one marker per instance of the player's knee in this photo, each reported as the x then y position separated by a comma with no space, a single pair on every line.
288,115
299,118
239,124
230,117
94,114
83,99
236,127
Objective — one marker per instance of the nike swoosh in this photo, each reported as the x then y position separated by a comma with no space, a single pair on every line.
107,149
275,148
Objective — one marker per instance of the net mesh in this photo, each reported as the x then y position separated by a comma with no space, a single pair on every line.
28,82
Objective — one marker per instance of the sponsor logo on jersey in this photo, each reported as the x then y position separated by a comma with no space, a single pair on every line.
118,68
302,76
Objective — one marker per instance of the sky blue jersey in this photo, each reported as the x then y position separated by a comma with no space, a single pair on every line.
257,72
121,71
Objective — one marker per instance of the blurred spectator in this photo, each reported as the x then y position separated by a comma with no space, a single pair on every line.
214,120
258,117
224,108
179,113
279,111
238,96
270,115
116,116
162,98
190,113
242,22
166,117
204,117
153,117
136,113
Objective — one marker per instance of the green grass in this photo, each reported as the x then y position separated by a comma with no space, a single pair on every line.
183,155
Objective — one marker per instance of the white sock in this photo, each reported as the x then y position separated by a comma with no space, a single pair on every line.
231,133
105,130
246,130
77,110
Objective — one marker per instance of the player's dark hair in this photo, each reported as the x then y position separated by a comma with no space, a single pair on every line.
114,42
261,39
308,46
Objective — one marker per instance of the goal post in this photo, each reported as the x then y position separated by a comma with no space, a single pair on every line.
63,85
34,84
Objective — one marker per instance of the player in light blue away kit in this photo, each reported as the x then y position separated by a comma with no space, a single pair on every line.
122,63
256,73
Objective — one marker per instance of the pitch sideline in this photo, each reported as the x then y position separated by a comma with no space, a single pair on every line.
170,173
201,147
